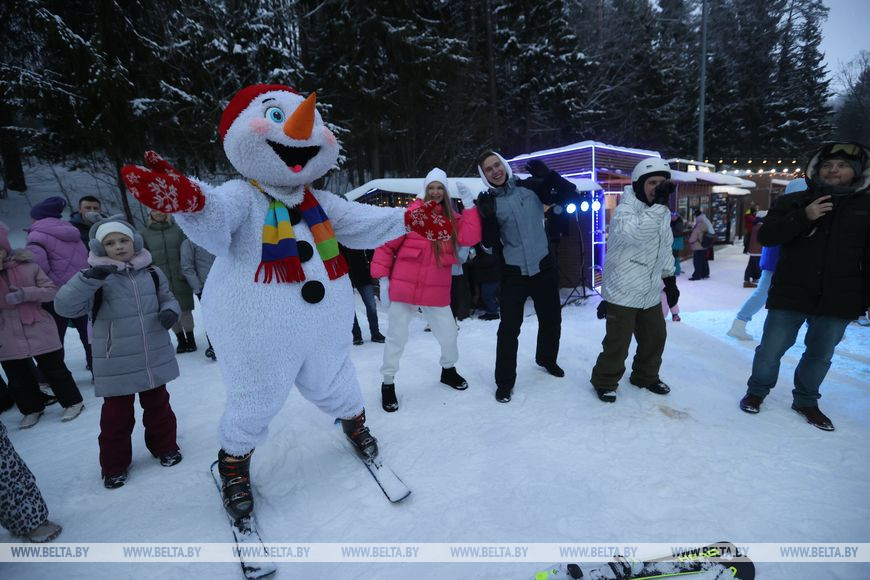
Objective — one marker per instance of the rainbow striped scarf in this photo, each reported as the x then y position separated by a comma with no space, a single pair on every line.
280,257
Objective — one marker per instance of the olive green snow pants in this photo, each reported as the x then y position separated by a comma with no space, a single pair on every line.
648,327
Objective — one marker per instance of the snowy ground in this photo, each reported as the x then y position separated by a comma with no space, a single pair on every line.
554,465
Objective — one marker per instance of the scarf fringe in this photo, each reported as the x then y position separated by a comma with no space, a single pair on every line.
336,267
288,268
285,270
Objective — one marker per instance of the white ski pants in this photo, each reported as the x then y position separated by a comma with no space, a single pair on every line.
443,327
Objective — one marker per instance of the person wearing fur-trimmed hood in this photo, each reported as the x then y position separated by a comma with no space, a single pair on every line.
132,309
512,213
822,277
417,272
639,261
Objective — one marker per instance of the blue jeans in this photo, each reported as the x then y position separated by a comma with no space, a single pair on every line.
367,293
488,293
757,299
780,332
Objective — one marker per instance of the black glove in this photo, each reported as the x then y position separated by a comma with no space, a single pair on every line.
99,272
672,293
538,168
485,205
167,318
663,192
602,309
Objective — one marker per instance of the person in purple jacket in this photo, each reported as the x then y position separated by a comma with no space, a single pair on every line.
55,246
756,301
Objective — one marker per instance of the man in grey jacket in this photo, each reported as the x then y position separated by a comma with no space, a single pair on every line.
512,216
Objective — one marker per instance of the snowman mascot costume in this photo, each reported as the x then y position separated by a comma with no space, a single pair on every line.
278,303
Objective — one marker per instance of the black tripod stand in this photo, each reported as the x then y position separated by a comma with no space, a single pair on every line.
578,294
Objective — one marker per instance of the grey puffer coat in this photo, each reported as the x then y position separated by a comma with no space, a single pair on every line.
131,349
196,262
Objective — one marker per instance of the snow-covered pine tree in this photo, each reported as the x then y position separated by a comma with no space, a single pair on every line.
722,124
853,114
541,74
676,51
814,121
799,114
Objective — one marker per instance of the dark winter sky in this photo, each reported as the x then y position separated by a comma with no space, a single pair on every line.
845,33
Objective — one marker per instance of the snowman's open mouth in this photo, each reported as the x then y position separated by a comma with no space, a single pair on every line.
294,157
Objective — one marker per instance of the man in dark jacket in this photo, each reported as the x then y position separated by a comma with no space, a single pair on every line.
512,216
822,278
90,212
361,280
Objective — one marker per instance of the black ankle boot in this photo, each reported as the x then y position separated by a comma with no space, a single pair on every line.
236,484
182,342
453,379
191,342
359,434
388,398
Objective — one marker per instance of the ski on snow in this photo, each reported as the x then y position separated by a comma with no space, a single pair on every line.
721,560
394,488
248,540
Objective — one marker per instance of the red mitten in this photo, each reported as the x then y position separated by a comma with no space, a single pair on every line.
160,186
428,221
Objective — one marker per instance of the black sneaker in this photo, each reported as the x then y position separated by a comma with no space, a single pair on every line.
489,316
357,341
814,417
606,395
115,481
503,394
378,337
388,398
182,343
553,369
658,387
171,459
453,379
751,403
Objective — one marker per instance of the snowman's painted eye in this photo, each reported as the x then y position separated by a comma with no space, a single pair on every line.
275,115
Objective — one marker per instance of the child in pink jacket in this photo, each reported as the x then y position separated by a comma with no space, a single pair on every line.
417,272
28,331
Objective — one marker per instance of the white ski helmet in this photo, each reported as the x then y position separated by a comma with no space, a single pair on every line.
650,165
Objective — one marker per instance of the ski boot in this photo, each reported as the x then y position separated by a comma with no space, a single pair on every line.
236,484
359,435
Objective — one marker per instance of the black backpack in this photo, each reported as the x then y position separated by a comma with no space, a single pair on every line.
98,295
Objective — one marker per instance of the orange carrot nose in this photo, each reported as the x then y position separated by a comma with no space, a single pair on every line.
301,122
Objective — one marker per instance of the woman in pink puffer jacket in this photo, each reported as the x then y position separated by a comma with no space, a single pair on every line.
420,273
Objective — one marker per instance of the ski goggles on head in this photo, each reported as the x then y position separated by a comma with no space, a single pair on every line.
851,151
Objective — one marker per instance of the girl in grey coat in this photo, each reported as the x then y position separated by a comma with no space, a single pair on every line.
132,309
